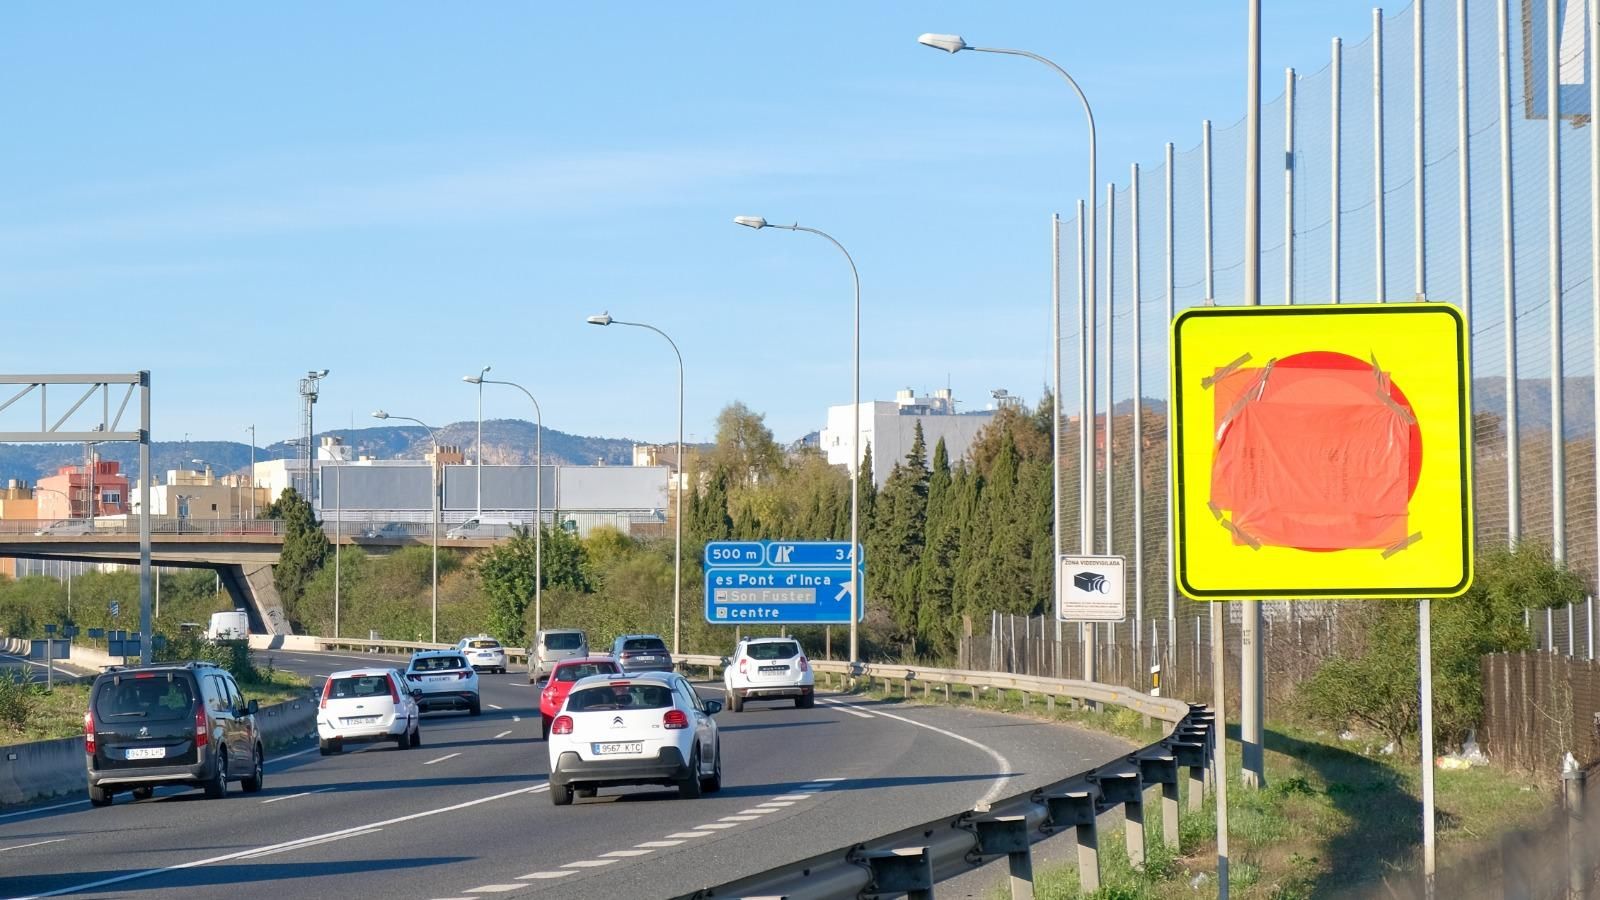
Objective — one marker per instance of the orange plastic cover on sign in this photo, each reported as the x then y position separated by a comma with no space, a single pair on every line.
1312,453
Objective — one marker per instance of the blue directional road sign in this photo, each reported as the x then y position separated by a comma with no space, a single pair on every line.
781,582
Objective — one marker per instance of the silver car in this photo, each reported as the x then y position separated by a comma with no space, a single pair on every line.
641,653
552,645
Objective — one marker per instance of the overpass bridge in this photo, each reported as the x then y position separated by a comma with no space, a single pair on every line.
241,552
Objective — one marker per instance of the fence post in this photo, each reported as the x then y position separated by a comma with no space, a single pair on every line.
1572,779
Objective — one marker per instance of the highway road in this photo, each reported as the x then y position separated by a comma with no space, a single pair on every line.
468,813
34,672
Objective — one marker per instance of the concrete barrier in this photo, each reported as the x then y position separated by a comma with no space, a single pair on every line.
40,770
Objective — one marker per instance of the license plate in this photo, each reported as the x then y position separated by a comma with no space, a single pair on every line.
438,678
773,669
627,747
361,720
147,753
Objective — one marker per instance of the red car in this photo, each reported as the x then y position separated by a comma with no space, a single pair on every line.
563,677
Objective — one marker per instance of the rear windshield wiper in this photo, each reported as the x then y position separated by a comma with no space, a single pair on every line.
127,715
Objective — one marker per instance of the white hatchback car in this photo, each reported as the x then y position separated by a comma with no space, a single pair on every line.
365,705
650,728
768,669
444,680
484,652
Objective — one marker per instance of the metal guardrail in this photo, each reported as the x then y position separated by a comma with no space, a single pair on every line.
911,860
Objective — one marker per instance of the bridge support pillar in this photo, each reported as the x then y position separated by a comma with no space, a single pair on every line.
252,587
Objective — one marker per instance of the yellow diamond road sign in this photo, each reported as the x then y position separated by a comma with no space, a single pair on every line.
1322,451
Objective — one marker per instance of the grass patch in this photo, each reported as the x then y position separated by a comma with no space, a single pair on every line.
1332,822
48,715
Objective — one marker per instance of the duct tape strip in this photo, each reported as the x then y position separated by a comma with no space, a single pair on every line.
1396,548
1255,392
1224,372
1242,535
1215,511
1383,393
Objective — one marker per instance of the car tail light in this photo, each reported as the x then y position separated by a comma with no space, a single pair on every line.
88,733
412,676
562,725
464,675
744,665
674,718
202,728
394,691
327,688
805,664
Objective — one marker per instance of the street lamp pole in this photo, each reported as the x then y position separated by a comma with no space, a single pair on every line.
538,494
477,462
857,600
433,437
677,515
951,43
252,471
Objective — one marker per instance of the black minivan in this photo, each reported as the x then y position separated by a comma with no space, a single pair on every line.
170,723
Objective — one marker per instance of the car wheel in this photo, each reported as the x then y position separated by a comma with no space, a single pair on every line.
402,741
805,701
586,793
561,796
689,788
735,702
544,727
257,777
143,793
99,796
714,783
416,736
325,748
217,787
475,709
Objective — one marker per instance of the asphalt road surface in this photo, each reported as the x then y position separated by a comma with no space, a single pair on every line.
468,813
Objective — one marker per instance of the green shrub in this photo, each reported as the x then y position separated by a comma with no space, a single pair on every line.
17,700
231,655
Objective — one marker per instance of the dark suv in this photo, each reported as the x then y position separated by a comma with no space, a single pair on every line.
172,723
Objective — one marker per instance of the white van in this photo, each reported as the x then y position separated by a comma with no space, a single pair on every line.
229,626
485,527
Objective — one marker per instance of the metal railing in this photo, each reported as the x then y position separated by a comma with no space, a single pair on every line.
129,527
912,859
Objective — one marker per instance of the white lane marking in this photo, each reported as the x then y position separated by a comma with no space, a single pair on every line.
492,706
516,718
539,876
495,888
715,825
34,844
847,708
290,755
308,843
832,780
146,873
624,854
503,734
777,803
655,844
755,811
442,759
738,818
588,864
791,798
1004,764
298,659
40,809
689,834
301,794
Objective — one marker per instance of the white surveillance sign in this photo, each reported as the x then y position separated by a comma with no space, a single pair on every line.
1092,589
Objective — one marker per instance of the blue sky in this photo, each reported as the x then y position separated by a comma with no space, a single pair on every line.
404,193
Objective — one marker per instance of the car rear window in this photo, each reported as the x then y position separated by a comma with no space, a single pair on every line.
359,686
644,644
438,663
584,670
155,699
607,697
483,645
563,641
773,650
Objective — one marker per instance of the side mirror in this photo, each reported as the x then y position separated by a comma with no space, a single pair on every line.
726,662
252,707
713,707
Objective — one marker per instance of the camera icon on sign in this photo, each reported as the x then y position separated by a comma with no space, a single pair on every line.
1090,582
722,612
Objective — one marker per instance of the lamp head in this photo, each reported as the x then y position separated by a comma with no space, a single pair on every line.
379,414
316,374
602,319
472,379
750,221
949,43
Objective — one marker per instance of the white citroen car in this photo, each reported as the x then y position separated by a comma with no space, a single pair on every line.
649,728
365,705
768,669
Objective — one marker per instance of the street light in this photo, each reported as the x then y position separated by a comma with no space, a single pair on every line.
953,43
477,462
857,601
433,471
538,492
677,515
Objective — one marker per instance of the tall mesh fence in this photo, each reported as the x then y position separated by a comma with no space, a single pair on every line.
1499,271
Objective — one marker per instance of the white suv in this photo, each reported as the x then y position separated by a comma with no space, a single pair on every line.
768,669
484,652
650,728
364,705
443,678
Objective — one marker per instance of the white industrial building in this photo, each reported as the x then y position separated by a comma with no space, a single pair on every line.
890,428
